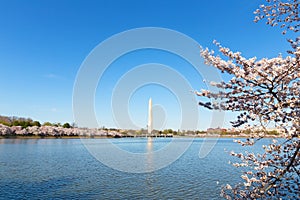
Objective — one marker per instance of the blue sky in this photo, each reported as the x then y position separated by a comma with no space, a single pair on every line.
43,44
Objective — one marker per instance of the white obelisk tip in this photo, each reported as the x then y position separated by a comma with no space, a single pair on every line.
150,125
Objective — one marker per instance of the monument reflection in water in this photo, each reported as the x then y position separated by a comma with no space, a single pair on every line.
150,122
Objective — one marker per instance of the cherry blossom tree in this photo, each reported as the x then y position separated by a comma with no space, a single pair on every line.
285,14
263,91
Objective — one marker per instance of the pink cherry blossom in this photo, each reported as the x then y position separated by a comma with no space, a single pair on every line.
263,91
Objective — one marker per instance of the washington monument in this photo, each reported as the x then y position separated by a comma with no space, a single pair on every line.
150,122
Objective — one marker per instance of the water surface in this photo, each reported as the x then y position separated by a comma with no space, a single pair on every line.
64,168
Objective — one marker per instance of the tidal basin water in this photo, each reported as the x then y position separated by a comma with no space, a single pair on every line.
64,169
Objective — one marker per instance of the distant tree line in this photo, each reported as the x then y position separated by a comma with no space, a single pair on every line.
26,122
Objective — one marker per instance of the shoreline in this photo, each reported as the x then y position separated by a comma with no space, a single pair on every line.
50,132
111,137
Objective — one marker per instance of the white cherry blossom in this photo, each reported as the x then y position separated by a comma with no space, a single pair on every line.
263,91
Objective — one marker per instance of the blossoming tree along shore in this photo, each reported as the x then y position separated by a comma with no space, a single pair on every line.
263,91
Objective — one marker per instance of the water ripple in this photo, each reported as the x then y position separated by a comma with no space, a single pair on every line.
64,169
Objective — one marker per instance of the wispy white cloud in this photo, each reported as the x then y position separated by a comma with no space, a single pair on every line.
54,110
52,76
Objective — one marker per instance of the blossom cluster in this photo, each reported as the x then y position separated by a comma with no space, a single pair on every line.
285,14
263,91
